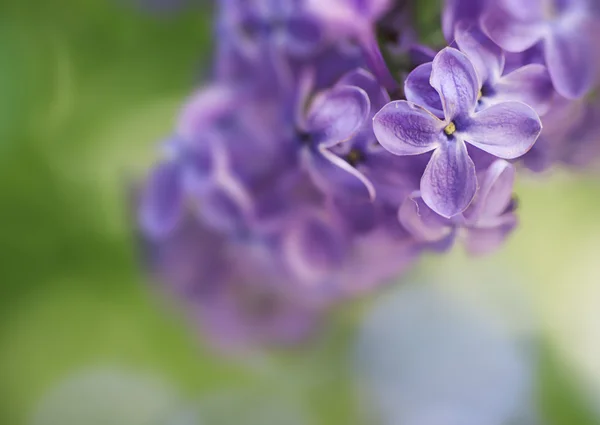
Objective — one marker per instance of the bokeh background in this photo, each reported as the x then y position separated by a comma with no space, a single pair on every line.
87,89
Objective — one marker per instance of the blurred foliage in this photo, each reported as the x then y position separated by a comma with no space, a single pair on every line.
87,87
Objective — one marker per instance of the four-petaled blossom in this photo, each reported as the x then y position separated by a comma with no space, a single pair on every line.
334,118
568,30
506,130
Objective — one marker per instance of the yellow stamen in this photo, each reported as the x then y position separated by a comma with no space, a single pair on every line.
479,95
450,129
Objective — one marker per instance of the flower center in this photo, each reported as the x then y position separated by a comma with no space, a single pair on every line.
304,137
354,157
450,129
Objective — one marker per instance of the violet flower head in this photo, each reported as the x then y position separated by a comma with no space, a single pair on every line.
567,29
506,130
298,176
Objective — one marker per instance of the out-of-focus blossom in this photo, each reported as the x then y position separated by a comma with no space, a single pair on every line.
506,130
567,29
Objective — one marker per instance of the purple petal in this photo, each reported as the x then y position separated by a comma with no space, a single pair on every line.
377,64
421,221
337,114
449,182
495,193
487,58
529,84
483,240
404,128
420,54
571,57
313,249
528,10
455,79
226,205
418,90
304,35
162,201
337,177
203,109
455,10
365,80
506,130
509,31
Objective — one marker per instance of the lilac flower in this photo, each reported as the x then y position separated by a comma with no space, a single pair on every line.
568,30
506,130
235,291
334,117
484,225
529,84
467,11
355,20
571,136
285,25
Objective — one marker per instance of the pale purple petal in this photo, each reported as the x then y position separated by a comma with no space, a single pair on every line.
337,114
506,130
487,58
495,193
226,205
571,57
304,35
377,63
404,128
162,201
421,221
483,240
420,54
459,10
449,182
313,248
418,90
530,84
335,176
365,80
510,32
455,79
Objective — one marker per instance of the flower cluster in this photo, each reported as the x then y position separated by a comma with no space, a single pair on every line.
329,149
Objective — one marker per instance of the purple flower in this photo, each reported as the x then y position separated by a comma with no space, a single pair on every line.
455,11
529,84
355,20
484,225
506,130
235,290
568,30
334,118
571,136
285,25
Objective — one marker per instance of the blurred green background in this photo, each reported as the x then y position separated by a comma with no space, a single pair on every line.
87,88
